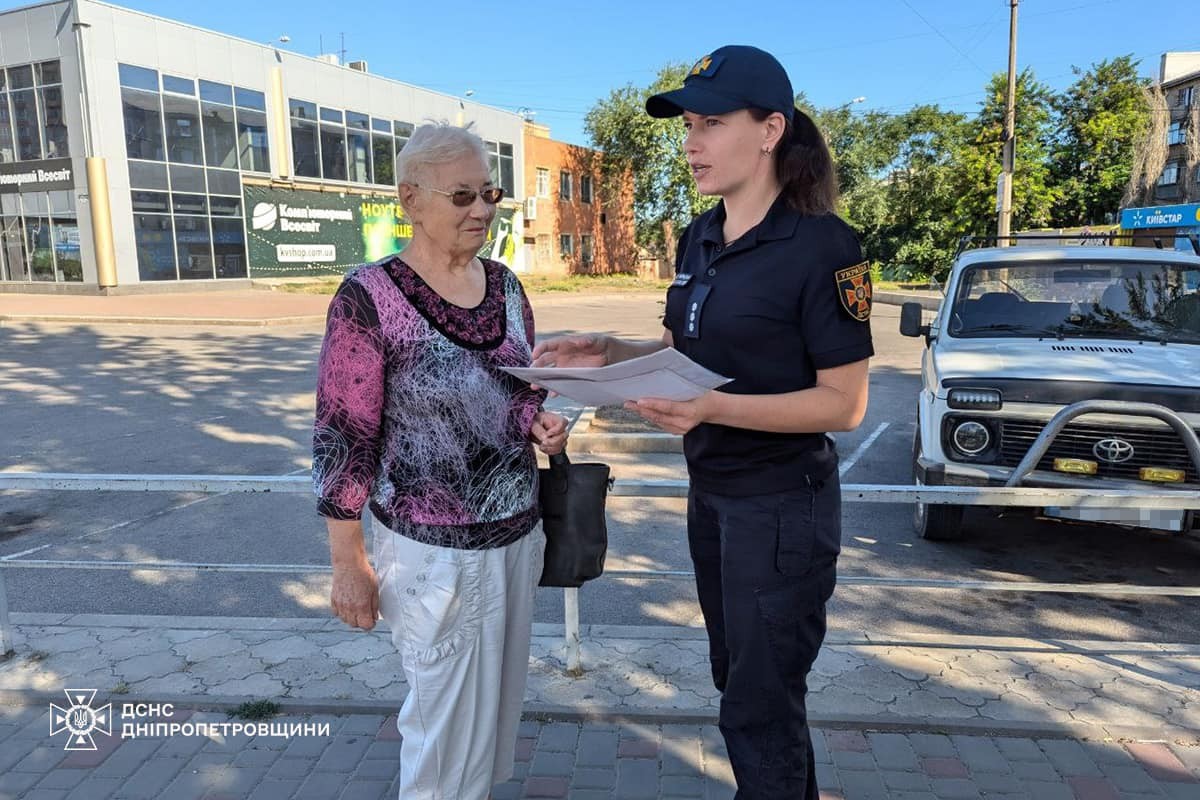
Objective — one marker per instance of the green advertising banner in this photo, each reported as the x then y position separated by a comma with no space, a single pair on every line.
319,233
303,233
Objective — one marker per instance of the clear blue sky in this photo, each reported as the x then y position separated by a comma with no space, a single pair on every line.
558,57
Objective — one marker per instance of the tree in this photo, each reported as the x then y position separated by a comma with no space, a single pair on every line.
1034,194
664,194
1101,118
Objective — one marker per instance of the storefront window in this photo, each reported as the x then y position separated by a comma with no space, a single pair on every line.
12,241
155,247
194,246
383,155
229,246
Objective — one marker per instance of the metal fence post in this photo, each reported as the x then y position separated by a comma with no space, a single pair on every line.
571,630
7,640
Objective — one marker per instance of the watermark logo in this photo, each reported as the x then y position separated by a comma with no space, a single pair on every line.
79,720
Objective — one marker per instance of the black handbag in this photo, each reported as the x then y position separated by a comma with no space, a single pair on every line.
572,499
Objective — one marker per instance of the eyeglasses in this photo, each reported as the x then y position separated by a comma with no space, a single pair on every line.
465,197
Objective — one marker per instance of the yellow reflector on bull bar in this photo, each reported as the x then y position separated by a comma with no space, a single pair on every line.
1162,474
1075,466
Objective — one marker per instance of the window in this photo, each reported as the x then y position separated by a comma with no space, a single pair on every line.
358,146
1176,133
333,145
305,155
500,165
26,125
155,242
404,132
220,135
54,125
253,150
383,153
585,188
1185,96
543,182
566,247
585,248
143,125
564,185
1170,175
193,245
181,118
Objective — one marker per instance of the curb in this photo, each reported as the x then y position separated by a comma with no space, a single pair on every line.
928,302
582,441
207,321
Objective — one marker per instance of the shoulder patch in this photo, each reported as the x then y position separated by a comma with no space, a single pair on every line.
854,290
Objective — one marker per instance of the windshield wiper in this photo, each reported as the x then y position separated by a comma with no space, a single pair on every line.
1012,327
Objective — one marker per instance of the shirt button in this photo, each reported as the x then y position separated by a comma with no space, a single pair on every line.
711,272
420,579
412,591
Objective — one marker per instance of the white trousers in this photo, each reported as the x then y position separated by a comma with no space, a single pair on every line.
461,620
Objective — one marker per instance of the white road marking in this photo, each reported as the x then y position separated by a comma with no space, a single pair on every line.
862,448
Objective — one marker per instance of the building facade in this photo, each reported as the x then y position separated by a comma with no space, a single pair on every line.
139,152
1178,186
575,221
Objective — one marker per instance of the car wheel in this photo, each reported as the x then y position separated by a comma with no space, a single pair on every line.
935,522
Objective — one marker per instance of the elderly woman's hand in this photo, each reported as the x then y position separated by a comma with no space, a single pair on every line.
355,592
549,432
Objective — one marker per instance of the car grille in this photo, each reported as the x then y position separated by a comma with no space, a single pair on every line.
1151,447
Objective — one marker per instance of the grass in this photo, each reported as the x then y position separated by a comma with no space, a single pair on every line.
255,710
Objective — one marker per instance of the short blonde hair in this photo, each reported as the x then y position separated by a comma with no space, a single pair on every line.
436,143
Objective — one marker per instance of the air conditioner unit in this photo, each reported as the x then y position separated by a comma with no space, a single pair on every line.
329,58
358,66
531,208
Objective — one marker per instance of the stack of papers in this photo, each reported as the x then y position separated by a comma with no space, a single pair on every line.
667,374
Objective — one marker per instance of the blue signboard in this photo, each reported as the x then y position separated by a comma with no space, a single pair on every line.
1184,216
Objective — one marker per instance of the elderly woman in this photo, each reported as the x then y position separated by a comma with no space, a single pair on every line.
416,419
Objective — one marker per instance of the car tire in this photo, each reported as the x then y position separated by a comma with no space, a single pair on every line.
937,523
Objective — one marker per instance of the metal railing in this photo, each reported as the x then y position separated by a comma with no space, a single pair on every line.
1167,500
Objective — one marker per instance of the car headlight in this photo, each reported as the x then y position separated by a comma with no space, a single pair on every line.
975,399
971,438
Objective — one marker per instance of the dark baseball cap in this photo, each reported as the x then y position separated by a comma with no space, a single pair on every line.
729,78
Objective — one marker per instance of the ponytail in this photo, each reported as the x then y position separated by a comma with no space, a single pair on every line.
804,166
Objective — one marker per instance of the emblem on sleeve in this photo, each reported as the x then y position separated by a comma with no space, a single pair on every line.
854,290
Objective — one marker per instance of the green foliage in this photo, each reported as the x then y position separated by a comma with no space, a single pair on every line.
1100,119
663,188
914,183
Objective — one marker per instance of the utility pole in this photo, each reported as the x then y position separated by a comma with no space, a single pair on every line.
1009,152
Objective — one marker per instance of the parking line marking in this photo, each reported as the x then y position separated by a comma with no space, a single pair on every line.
862,448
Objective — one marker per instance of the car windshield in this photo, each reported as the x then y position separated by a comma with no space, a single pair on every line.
1139,300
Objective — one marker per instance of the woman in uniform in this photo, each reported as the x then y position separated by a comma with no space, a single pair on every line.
771,290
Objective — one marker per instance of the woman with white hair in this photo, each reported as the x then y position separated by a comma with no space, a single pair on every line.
416,419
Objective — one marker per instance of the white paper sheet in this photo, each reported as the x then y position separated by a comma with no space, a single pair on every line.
668,374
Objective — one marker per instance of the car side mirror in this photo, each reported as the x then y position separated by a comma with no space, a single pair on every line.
910,321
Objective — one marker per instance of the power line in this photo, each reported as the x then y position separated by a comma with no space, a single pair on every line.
944,38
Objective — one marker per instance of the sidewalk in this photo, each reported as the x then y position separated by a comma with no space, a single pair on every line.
929,716
238,307
250,307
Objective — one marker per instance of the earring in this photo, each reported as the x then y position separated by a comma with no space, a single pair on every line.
766,151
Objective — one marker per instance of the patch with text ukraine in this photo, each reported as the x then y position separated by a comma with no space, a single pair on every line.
854,290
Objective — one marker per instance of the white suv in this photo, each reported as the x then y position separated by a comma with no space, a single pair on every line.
1110,333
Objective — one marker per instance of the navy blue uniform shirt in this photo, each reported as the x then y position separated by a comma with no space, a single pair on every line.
767,311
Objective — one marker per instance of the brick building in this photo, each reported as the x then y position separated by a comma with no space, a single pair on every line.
575,222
